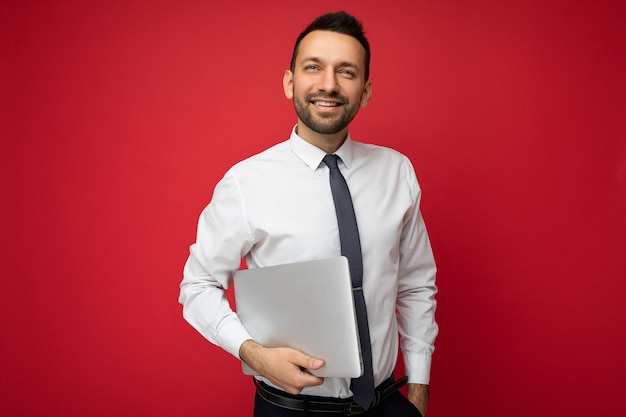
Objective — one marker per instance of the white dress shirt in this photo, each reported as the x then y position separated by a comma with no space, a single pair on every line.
276,207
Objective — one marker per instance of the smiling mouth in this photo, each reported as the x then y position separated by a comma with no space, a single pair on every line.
323,103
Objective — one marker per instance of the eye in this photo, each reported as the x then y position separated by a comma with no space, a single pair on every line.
311,67
347,73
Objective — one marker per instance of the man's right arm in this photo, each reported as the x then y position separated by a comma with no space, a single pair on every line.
222,240
207,309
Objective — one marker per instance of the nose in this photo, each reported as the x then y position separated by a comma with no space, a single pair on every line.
328,82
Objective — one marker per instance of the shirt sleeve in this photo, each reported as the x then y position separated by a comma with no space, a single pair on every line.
223,238
416,291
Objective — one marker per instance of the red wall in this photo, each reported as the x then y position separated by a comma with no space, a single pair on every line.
118,118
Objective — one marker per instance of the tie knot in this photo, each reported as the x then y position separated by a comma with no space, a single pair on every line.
331,161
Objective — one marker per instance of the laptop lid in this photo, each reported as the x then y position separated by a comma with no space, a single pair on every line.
307,306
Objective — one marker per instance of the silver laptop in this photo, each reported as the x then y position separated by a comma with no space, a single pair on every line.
306,306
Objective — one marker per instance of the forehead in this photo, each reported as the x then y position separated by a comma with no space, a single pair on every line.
331,47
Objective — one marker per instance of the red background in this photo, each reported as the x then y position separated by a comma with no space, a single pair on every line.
118,118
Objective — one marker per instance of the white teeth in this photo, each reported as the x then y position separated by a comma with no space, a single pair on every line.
325,103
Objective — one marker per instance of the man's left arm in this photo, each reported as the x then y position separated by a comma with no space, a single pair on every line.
416,300
418,395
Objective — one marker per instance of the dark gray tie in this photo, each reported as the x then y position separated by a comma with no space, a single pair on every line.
362,387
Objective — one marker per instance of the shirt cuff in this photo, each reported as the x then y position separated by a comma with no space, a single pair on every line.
417,368
232,336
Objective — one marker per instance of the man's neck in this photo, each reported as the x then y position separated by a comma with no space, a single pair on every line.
327,143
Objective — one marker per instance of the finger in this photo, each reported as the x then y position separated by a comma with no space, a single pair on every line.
302,380
307,362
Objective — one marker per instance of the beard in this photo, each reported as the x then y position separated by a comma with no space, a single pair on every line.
325,123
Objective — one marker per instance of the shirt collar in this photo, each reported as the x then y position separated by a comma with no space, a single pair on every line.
312,155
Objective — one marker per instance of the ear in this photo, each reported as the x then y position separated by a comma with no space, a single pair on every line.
288,84
367,94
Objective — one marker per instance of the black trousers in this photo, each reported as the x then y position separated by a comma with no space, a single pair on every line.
396,405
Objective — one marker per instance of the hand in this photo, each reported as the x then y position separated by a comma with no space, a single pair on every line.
418,395
282,366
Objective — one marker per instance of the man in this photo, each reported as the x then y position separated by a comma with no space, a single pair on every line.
277,207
